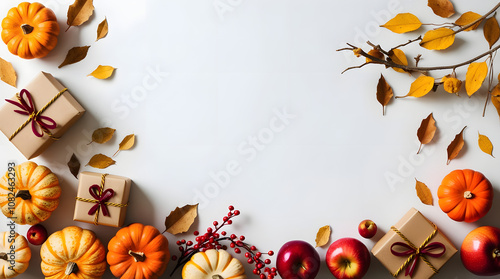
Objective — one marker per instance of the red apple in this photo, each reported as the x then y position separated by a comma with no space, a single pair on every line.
348,258
480,251
367,228
297,259
37,234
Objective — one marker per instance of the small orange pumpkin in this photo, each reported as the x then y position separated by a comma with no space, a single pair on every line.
138,252
30,30
465,195
213,264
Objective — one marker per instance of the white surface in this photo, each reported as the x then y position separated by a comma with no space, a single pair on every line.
229,77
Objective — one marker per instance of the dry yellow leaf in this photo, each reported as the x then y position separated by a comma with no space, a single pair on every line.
7,73
442,8
181,219
424,193
398,56
451,84
74,55
476,73
375,53
100,161
402,23
102,135
485,144
102,29
102,72
438,39
455,146
491,30
426,131
127,143
79,12
420,87
357,52
323,236
384,92
495,100
469,18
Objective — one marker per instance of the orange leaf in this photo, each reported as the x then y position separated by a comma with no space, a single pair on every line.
468,18
485,144
456,146
426,131
424,193
451,84
476,73
323,236
420,87
442,8
7,73
491,31
384,92
375,53
438,39
398,56
403,23
181,219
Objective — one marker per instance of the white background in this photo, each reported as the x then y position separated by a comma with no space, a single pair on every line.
336,162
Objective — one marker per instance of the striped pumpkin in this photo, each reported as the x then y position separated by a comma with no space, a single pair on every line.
13,265
213,264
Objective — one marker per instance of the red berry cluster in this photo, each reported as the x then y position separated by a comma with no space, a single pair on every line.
213,239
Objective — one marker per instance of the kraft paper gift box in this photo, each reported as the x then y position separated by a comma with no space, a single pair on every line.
102,203
423,235
61,108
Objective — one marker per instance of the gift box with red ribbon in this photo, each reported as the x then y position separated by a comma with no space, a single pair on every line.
38,115
414,247
102,199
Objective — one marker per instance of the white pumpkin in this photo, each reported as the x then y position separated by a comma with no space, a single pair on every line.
213,264
15,254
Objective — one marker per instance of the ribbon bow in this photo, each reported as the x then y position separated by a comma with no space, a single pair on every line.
101,197
415,253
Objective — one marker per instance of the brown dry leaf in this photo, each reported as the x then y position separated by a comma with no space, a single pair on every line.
495,98
79,12
456,146
442,8
74,55
375,53
468,18
74,165
127,143
181,219
451,84
102,29
426,131
485,144
491,31
438,39
424,193
100,161
402,23
323,236
384,93
476,73
102,72
7,73
102,135
398,56
420,87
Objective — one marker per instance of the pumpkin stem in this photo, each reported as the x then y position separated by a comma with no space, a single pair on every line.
138,256
217,276
4,256
23,194
27,29
72,267
468,195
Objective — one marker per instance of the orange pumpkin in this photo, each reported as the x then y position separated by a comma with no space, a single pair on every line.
139,252
15,254
29,193
465,195
30,30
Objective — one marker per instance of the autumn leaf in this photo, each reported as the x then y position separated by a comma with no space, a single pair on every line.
495,98
323,236
384,93
426,131
100,161
181,219
476,73
438,39
402,23
468,18
485,144
424,193
102,29
79,12
74,165
398,56
7,73
451,84
420,87
102,135
491,31
442,8
127,143
74,55
102,72
456,146
375,53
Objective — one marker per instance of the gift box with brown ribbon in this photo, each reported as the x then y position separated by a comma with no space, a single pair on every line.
102,199
38,115
414,247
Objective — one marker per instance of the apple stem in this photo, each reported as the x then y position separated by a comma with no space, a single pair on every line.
4,256
468,195
138,256
71,268
496,253
347,263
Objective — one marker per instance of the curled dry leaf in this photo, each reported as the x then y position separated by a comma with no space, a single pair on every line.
474,78
181,219
102,72
100,161
384,93
491,31
438,39
7,73
74,165
74,55
424,193
402,23
102,29
451,84
420,87
398,56
469,18
426,131
323,236
456,146
127,143
102,135
442,8
485,144
79,12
